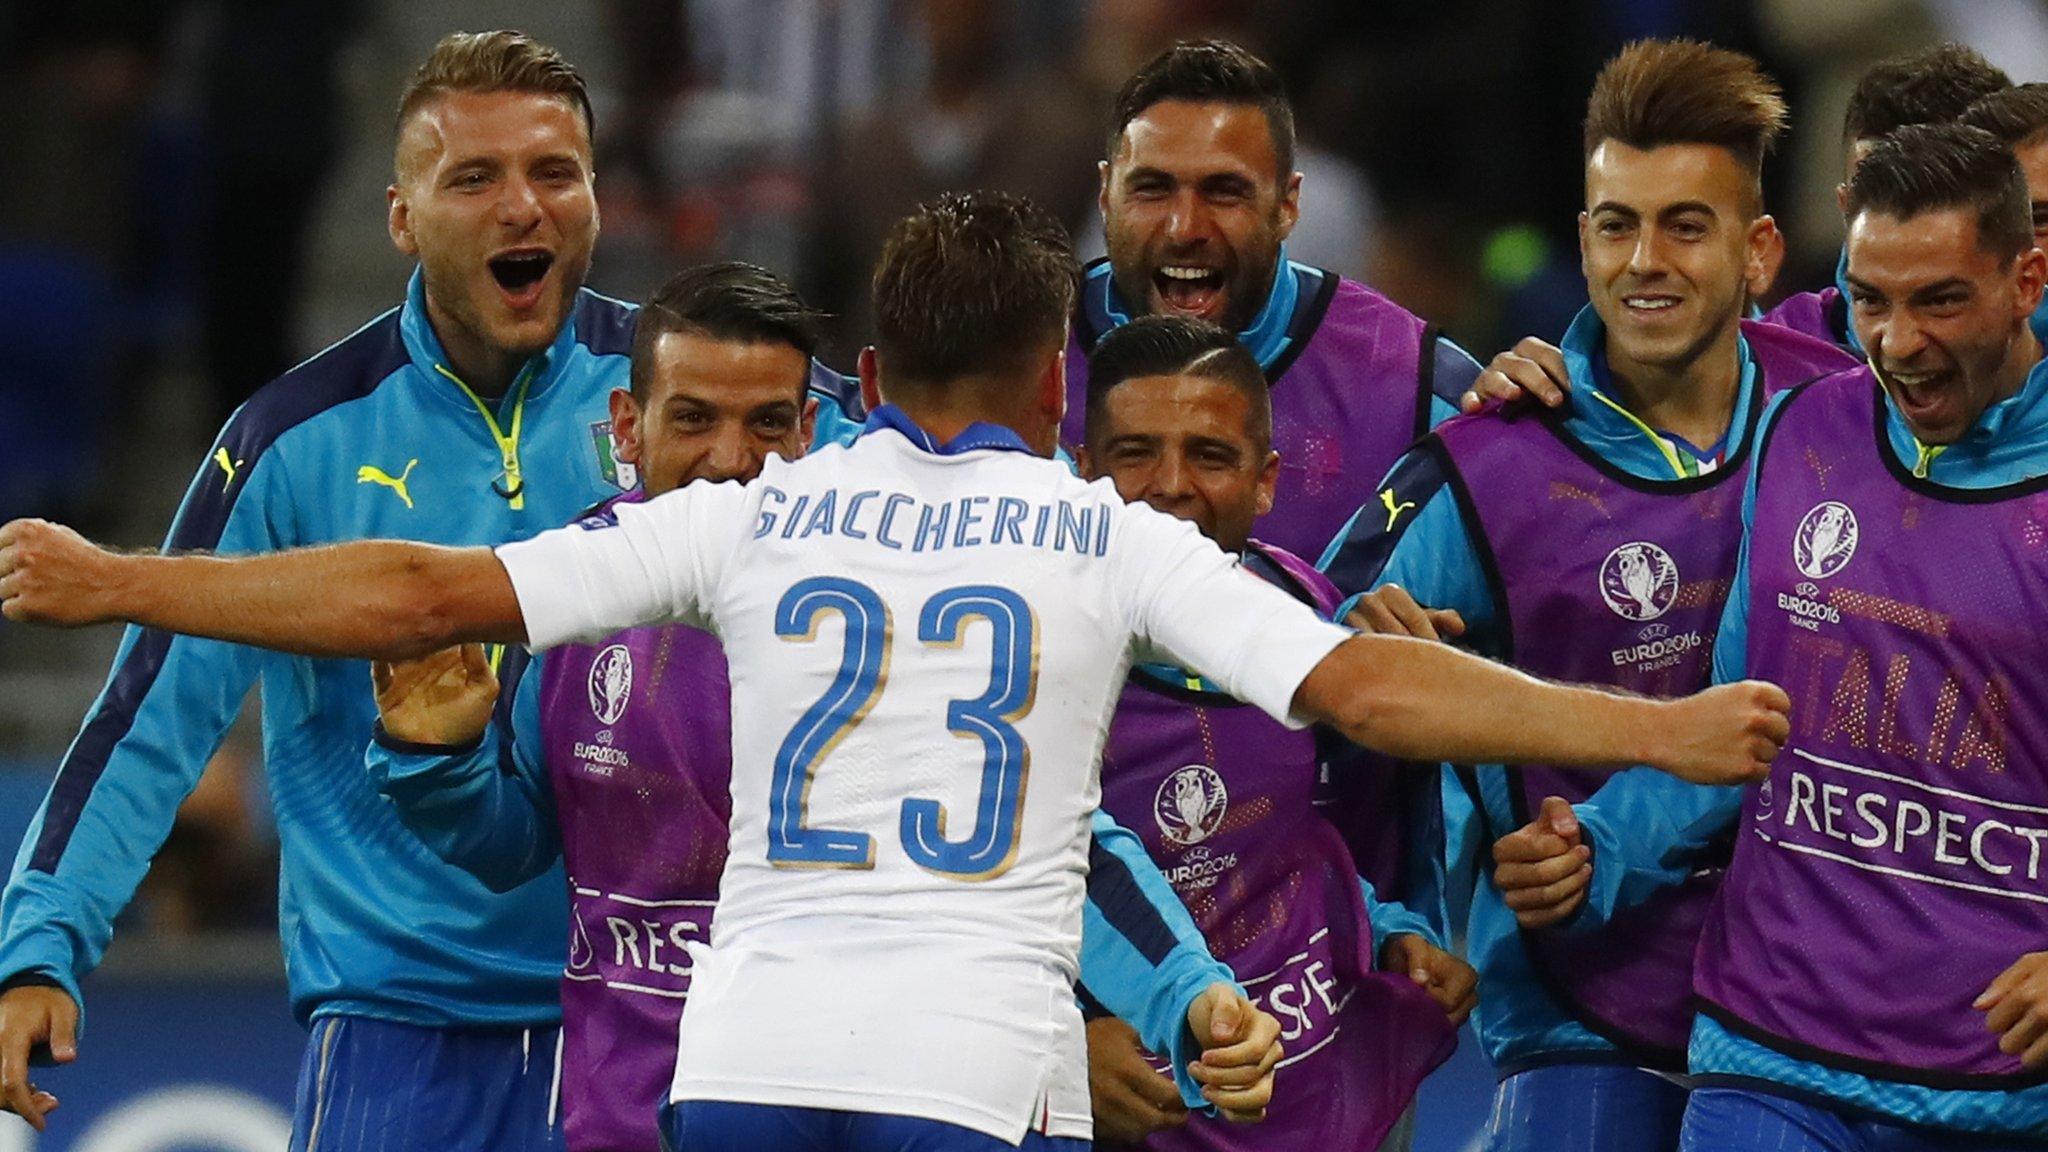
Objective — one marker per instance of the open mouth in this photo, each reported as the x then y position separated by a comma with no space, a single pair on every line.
1919,392
1189,288
520,273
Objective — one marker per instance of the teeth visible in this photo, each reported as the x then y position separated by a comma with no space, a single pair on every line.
1648,303
1181,272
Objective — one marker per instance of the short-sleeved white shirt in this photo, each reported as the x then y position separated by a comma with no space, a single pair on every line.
926,644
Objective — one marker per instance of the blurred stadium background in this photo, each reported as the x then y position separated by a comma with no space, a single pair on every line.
191,199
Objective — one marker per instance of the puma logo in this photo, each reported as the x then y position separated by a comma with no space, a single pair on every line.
1393,510
371,474
227,465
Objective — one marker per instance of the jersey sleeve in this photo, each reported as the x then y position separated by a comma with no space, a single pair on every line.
1464,839
1391,918
631,565
167,703
1190,605
488,808
1142,958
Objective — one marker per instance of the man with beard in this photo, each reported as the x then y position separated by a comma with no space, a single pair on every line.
1222,795
616,757
1872,977
1595,543
474,413
1198,195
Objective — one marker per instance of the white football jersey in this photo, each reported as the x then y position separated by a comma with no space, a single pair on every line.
926,645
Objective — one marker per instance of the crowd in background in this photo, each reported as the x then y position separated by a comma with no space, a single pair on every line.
174,169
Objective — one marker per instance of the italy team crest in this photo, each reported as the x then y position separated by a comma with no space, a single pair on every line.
615,471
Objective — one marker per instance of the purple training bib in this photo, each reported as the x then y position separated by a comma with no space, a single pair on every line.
1823,315
1891,866
1610,578
637,732
1349,395
1222,796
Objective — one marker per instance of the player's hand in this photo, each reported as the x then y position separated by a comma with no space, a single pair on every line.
1451,982
1240,1046
1130,1100
52,575
1530,368
2016,1007
1543,868
443,698
31,1015
1728,734
1390,611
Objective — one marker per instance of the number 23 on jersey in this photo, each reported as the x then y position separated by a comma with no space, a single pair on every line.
991,845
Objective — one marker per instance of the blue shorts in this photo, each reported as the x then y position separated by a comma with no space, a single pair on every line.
1585,1108
1739,1120
375,1086
718,1126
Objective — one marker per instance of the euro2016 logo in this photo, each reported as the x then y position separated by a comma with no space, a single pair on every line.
1189,805
611,681
1639,581
1825,541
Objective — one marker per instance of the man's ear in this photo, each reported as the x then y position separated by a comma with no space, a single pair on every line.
1269,482
1290,205
399,221
625,426
1764,256
870,369
807,428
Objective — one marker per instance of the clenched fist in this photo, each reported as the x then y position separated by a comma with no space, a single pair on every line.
1728,734
52,575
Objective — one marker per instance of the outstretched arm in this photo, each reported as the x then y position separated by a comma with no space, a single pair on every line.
1408,698
374,598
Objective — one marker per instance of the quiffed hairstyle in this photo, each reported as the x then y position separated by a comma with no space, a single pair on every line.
1931,167
501,61
1177,346
1931,86
1209,72
968,285
742,303
2016,115
1657,92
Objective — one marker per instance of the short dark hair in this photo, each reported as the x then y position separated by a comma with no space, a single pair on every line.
1209,71
1657,92
1931,167
733,301
501,61
968,285
2017,115
1177,346
1930,86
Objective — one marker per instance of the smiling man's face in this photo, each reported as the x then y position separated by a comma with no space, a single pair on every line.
495,197
1940,315
1194,208
1669,241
